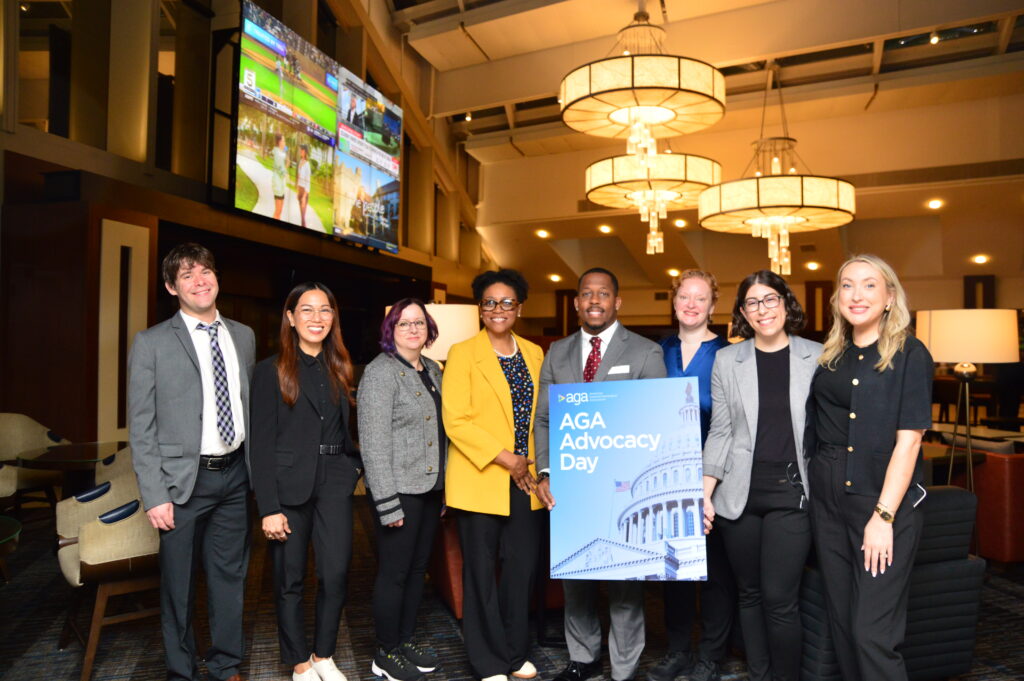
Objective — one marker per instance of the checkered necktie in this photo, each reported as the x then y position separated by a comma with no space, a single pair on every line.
593,360
225,422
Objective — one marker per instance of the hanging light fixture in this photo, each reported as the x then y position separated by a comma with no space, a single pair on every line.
777,200
640,94
662,183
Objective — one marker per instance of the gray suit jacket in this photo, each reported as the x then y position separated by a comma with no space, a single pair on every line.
398,433
564,364
729,450
165,406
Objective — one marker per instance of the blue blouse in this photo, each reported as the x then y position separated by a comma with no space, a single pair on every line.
699,367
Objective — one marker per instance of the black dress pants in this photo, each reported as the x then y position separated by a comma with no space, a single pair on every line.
768,546
495,616
717,606
212,527
402,556
867,615
326,518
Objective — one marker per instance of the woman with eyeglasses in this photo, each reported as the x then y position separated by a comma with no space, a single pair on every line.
871,403
490,396
404,446
755,492
304,470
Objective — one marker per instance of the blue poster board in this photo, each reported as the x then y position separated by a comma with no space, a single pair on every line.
626,477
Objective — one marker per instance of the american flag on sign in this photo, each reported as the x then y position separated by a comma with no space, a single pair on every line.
622,485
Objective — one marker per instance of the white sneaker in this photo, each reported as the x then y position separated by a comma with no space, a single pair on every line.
527,671
308,675
496,677
327,670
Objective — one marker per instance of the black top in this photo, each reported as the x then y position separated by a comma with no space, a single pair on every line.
314,382
874,405
835,395
442,439
774,440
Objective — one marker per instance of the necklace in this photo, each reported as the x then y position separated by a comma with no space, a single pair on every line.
515,349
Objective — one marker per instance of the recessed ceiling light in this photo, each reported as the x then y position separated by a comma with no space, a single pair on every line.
680,223
812,265
936,204
555,277
980,259
469,116
934,38
543,233
604,229
673,272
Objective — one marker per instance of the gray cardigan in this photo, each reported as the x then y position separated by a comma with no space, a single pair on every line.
729,450
397,433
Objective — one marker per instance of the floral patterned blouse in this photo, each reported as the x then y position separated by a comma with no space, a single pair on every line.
521,385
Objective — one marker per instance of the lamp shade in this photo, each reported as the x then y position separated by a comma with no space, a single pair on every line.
977,336
455,323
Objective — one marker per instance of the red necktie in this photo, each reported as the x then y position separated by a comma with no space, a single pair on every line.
593,360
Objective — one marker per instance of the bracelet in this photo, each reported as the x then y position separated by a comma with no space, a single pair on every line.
884,514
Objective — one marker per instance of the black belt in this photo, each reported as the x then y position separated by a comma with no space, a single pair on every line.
332,450
220,462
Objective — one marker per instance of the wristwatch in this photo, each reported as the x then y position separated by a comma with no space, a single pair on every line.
884,514
543,475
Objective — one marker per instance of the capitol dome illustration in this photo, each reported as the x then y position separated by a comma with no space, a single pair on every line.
658,532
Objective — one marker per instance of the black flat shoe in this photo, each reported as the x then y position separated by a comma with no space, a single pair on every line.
580,671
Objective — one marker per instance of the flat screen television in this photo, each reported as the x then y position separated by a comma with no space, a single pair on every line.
316,146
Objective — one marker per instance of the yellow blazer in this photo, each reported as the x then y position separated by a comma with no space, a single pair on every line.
477,408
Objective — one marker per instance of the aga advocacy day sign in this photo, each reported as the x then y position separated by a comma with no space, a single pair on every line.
626,476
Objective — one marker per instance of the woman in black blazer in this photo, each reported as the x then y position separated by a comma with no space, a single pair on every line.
304,470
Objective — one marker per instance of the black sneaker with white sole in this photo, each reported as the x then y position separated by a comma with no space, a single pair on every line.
424,660
394,667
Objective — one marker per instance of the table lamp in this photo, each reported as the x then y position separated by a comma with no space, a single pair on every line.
963,337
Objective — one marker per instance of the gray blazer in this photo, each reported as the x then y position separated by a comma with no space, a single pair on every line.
729,450
398,433
564,364
165,406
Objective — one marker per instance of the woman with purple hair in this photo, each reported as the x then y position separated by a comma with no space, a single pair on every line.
404,447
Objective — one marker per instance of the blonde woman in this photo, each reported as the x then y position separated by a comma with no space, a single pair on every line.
870,404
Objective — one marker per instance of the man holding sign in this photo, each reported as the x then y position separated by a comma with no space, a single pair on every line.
603,350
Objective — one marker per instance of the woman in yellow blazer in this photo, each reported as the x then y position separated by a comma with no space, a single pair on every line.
489,397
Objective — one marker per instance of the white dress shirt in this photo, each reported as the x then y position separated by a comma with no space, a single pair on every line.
210,443
606,338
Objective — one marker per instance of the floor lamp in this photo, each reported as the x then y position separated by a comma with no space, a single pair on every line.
963,337
455,323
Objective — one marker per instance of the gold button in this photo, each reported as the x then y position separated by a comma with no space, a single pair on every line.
430,469
849,484
849,449
418,393
858,357
401,373
428,418
430,444
856,381
852,415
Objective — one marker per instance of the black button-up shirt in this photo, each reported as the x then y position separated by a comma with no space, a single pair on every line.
857,407
315,383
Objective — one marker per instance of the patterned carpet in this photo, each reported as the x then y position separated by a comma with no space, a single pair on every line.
34,603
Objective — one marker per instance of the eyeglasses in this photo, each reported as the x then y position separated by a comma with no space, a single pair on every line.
770,301
406,326
504,303
306,312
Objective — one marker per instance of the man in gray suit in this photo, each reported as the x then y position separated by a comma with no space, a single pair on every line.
603,350
188,397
